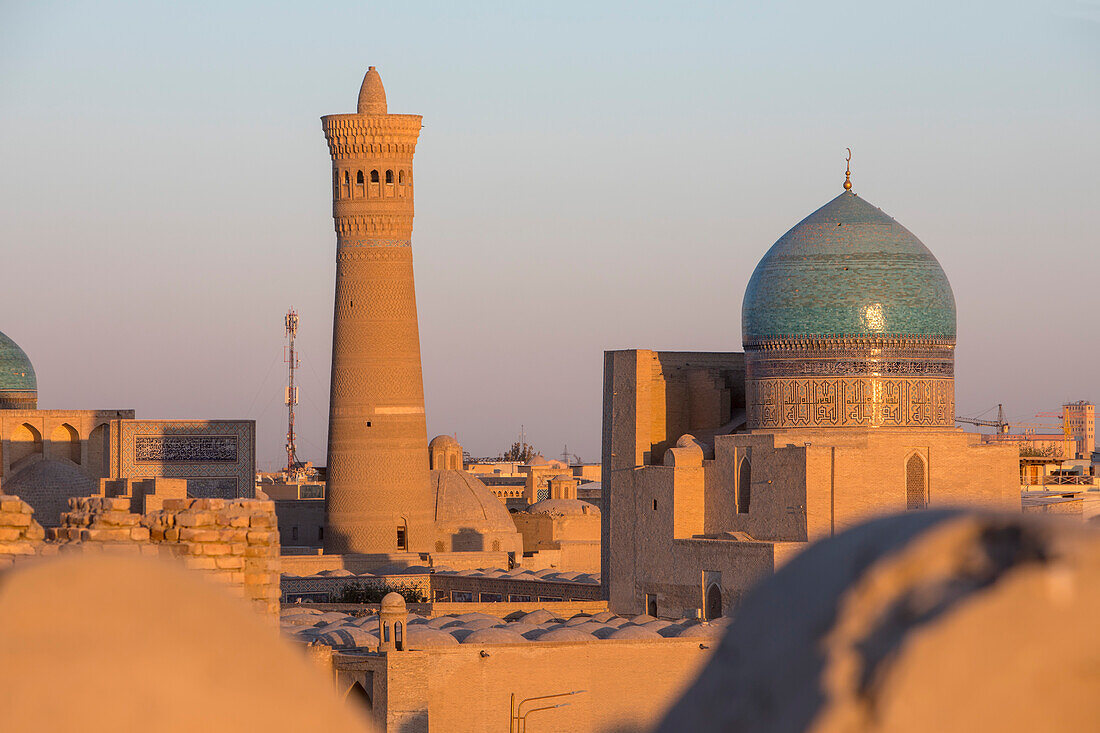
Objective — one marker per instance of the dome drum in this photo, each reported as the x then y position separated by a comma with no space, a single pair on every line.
18,400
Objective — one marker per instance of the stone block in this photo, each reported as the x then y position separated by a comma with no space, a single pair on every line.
215,549
12,504
231,563
262,521
11,519
139,534
260,537
121,548
172,534
116,519
158,519
195,519
188,534
177,505
260,578
105,535
10,534
35,532
209,504
260,551
116,504
76,519
241,520
16,548
200,563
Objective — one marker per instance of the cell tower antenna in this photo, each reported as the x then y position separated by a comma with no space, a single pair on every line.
291,358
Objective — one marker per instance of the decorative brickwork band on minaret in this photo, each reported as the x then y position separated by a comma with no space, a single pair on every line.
378,497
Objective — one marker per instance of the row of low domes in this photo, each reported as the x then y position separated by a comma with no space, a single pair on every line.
543,574
343,631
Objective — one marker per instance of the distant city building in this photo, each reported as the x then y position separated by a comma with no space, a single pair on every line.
1079,419
299,498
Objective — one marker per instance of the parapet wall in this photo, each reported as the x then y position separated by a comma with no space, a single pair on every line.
232,542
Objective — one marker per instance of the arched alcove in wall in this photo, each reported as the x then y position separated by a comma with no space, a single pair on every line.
25,441
358,694
744,486
916,485
65,443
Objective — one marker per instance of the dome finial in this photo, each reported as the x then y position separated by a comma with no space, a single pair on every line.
372,95
848,171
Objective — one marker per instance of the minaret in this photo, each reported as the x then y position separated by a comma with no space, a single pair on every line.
378,497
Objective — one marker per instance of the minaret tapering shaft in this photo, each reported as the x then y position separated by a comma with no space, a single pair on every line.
378,497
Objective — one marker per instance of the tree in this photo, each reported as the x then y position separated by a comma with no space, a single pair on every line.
519,452
362,593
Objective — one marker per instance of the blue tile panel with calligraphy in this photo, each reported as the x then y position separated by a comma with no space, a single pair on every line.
216,457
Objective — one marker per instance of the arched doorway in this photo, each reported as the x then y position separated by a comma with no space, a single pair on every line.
712,608
359,695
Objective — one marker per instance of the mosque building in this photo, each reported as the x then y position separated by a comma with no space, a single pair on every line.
719,466
50,456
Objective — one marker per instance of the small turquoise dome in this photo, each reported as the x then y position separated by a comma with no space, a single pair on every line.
848,269
16,372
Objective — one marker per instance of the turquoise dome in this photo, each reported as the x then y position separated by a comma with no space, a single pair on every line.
848,269
16,372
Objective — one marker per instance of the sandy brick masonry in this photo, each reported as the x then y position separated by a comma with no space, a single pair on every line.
19,533
232,542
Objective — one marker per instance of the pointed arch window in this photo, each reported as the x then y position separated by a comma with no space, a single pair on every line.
916,485
744,486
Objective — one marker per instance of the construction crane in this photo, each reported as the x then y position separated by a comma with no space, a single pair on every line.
291,358
1000,423
1003,426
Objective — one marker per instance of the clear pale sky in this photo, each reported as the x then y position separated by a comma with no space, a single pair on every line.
591,176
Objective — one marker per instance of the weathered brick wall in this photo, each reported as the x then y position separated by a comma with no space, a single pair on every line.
19,534
232,542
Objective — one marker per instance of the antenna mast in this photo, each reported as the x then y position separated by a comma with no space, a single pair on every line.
291,358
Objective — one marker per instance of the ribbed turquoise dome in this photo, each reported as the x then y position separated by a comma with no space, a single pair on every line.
848,269
16,372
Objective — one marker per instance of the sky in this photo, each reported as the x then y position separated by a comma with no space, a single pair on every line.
590,176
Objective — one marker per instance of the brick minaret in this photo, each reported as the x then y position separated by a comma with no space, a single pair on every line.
378,498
